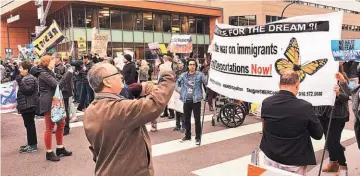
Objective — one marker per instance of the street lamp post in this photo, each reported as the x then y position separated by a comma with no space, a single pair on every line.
282,13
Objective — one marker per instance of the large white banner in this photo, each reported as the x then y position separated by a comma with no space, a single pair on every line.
247,61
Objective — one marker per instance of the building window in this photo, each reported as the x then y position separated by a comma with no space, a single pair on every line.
117,49
138,21
166,23
104,18
199,25
127,18
270,18
192,25
207,25
116,22
175,23
68,17
248,20
184,24
78,15
148,22
158,25
139,51
92,17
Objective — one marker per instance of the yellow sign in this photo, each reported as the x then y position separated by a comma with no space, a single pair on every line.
163,48
81,44
48,39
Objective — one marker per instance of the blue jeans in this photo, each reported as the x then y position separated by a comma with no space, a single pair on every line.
78,87
87,96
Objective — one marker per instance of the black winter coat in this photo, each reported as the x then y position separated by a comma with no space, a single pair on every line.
130,73
60,71
84,72
27,94
47,87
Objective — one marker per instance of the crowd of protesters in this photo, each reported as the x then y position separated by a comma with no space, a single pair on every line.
129,84
38,80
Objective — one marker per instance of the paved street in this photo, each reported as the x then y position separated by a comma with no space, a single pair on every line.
224,151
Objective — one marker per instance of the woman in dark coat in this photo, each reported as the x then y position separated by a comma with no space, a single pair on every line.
26,105
47,88
337,160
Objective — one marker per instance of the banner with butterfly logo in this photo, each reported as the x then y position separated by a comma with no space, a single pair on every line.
247,60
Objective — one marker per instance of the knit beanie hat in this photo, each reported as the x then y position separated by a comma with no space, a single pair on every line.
128,57
183,61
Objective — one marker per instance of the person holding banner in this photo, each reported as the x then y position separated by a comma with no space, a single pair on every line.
337,160
289,124
189,85
47,88
26,105
356,110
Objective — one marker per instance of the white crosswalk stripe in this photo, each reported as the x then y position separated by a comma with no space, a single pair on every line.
235,167
208,138
160,126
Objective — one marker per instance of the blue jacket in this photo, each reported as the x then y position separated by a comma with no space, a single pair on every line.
181,83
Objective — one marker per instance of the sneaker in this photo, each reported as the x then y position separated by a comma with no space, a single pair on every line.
23,146
63,152
52,157
185,139
29,149
176,129
153,127
182,130
197,142
171,117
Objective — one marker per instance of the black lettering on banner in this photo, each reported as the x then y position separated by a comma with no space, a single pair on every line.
259,91
310,94
247,50
37,47
215,82
233,87
50,35
42,44
46,38
346,44
55,31
283,27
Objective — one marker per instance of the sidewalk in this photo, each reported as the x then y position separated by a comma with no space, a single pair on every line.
352,154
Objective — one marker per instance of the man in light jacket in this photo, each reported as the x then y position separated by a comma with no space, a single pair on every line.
115,127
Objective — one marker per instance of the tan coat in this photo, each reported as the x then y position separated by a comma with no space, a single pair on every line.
116,130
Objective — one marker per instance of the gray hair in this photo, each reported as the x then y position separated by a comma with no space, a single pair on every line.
289,78
96,76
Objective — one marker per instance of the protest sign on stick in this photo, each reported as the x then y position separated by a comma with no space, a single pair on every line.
180,44
47,39
247,61
345,50
8,93
99,44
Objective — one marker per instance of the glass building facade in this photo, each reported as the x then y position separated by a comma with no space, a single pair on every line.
129,29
